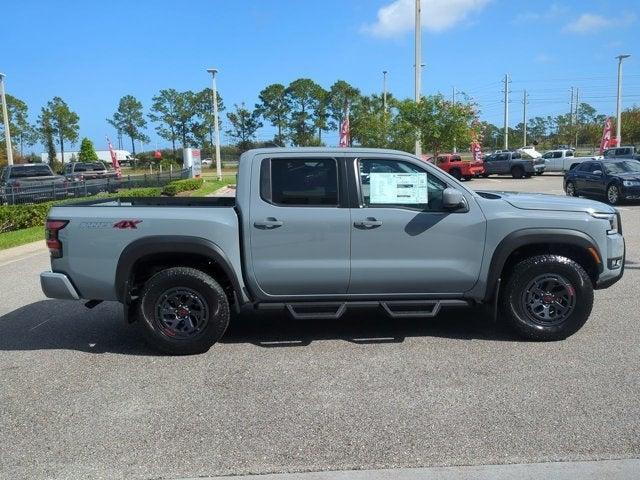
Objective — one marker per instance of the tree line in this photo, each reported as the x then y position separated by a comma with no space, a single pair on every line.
302,113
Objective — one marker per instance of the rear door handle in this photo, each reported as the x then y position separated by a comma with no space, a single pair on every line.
268,224
368,224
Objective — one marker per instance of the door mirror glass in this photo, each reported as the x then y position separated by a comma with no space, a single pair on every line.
452,199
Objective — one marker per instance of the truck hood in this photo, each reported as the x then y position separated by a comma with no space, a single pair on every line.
543,201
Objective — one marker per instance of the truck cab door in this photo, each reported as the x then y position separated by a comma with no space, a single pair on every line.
402,239
299,227
501,163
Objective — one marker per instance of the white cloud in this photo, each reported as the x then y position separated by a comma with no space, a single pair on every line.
437,16
553,12
590,22
543,58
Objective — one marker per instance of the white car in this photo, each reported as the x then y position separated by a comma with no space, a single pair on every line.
207,162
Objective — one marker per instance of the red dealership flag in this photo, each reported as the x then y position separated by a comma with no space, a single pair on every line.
345,133
114,159
607,141
476,151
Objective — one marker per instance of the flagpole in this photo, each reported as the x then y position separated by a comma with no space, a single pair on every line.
417,68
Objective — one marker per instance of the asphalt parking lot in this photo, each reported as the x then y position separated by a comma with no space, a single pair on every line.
82,397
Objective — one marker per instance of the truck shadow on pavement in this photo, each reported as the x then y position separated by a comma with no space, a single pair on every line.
272,330
68,325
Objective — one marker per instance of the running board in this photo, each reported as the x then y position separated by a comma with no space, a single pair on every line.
335,310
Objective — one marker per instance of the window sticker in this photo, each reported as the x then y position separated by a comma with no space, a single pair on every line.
398,188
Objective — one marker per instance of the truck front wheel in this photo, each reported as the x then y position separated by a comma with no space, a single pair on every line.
547,297
183,311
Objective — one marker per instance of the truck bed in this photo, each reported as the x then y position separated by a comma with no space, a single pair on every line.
157,202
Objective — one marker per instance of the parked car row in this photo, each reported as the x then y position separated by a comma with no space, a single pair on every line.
36,182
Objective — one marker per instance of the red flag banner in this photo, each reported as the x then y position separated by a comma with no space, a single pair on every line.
114,159
345,133
607,141
476,151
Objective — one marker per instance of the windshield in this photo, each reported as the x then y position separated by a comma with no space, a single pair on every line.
622,167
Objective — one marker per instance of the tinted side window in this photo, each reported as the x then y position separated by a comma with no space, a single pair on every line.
516,156
300,182
392,183
569,154
583,167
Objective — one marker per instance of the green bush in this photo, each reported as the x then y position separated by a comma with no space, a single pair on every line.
185,185
17,217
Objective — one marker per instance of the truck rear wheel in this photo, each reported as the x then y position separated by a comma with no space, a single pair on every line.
517,172
183,311
547,297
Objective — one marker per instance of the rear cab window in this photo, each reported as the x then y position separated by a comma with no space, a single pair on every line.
31,171
303,182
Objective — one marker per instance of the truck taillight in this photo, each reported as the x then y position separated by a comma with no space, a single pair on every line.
52,228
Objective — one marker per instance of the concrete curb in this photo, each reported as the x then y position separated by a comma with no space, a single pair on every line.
12,254
626,469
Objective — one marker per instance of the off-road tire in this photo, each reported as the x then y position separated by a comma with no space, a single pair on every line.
513,305
210,293
455,173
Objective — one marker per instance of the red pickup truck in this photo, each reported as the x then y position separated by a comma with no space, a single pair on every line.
453,164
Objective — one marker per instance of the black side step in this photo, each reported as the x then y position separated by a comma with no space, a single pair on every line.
310,310
335,310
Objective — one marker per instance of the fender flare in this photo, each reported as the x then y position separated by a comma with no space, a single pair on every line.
530,236
159,244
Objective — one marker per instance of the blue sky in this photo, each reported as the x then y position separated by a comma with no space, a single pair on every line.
92,53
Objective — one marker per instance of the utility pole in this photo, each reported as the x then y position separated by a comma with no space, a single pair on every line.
576,116
5,117
571,115
453,102
418,68
619,100
216,125
525,100
507,80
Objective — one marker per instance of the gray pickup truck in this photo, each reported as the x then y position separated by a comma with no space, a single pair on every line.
317,231
512,163
625,152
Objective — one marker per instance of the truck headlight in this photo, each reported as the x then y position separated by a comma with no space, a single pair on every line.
612,218
631,183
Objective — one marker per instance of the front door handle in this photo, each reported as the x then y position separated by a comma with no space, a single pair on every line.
368,224
269,224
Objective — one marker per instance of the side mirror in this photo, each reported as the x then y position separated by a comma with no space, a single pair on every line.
452,199
597,172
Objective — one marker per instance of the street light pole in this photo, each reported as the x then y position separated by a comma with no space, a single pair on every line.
216,126
418,68
384,90
619,100
5,117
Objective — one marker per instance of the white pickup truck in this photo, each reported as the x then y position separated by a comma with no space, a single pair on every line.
561,160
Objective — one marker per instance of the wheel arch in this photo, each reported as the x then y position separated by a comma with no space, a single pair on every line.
520,244
165,251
